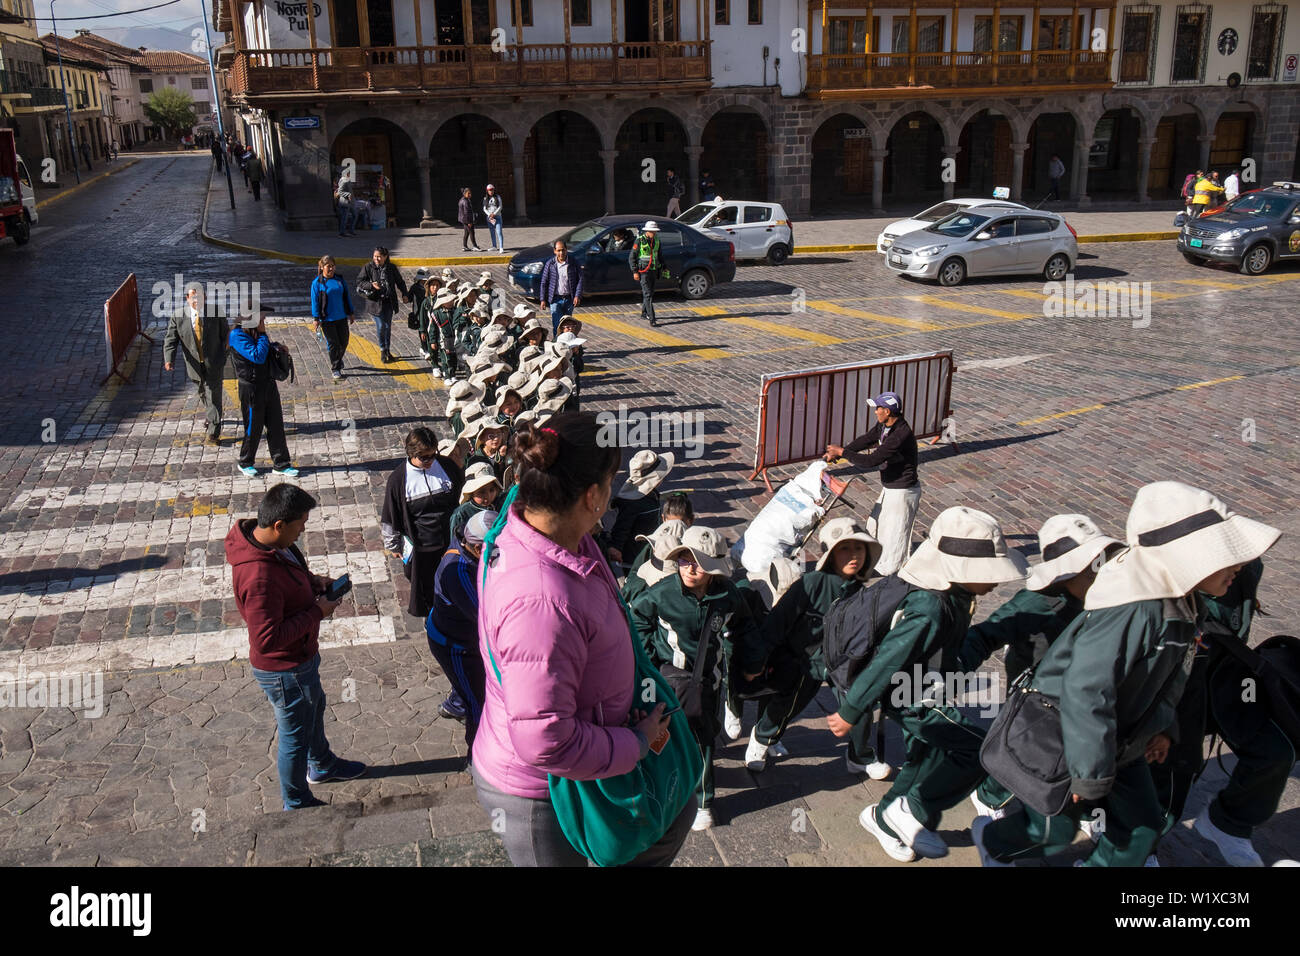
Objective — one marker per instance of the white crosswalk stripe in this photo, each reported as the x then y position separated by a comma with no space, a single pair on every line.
218,487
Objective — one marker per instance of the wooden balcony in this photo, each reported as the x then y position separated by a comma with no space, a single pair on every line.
470,70
834,75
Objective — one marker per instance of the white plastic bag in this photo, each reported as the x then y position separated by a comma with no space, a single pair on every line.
780,526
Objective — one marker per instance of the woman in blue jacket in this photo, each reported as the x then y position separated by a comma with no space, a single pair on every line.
331,308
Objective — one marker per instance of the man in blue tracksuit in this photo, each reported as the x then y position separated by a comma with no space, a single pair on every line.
452,624
259,398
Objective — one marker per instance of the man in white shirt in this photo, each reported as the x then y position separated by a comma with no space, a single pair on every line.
202,335
1231,187
347,214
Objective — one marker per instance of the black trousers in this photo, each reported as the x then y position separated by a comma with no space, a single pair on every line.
257,190
648,295
259,408
336,337
464,668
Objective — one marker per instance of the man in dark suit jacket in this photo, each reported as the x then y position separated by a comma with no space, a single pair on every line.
561,285
202,339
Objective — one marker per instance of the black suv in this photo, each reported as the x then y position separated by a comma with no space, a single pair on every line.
1250,232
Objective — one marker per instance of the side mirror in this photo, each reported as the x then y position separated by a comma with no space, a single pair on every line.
984,235
1294,219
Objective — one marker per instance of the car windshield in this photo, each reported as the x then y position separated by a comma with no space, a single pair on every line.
696,213
958,225
935,213
1259,204
583,233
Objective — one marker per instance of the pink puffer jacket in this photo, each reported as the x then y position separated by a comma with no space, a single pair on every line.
555,627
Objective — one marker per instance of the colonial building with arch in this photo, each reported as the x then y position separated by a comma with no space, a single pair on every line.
573,108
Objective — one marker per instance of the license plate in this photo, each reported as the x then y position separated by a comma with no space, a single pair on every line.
896,259
1195,243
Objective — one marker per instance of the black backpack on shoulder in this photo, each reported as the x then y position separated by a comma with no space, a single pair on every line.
853,627
281,363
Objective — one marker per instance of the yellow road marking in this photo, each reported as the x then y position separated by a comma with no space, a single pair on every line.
963,307
1213,381
785,331
369,353
1214,283
1073,411
1040,296
649,335
825,305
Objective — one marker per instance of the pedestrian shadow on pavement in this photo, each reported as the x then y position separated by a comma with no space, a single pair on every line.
416,767
57,580
953,449
1082,273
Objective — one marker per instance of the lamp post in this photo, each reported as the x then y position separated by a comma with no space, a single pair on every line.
216,101
67,109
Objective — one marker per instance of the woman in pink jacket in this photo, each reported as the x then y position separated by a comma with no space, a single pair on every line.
550,618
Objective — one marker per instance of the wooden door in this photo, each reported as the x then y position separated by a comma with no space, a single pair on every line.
857,165
1162,157
1001,153
1229,144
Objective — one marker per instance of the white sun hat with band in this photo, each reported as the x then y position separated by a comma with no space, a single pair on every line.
477,482
1068,544
645,472
552,395
1178,536
662,541
463,393
965,547
707,547
837,531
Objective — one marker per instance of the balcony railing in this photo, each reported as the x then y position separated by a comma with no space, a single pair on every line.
858,71
46,96
461,68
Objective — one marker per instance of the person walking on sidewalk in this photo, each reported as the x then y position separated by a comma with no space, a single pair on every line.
561,285
202,340
465,216
646,262
900,495
259,398
1055,170
677,189
255,174
492,210
283,604
382,283
331,308
216,155
346,211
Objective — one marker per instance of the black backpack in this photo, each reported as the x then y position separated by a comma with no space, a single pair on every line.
854,625
281,363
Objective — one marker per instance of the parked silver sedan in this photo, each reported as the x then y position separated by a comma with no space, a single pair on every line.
979,242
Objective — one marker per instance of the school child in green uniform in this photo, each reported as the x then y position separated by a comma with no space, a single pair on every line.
1213,703
484,370
636,505
424,293
1118,671
490,445
965,556
673,506
435,320
460,397
480,492
793,630
700,606
656,567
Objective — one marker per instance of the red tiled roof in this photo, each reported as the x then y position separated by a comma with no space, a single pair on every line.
171,61
107,46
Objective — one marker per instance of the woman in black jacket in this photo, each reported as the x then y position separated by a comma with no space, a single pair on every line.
416,521
381,283
465,216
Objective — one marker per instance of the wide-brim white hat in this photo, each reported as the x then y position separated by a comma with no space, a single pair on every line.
552,395
646,472
1069,544
531,326
965,547
664,538
1177,536
481,377
522,384
552,363
444,298
477,483
523,312
654,570
571,340
463,393
650,226
836,532
707,547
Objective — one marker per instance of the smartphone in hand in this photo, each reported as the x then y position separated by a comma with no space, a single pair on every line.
339,587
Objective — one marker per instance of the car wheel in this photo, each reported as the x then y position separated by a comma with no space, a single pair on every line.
1056,268
1256,259
22,231
778,254
695,284
952,272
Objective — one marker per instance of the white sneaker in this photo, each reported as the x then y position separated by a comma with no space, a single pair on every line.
977,835
878,770
1152,860
982,809
896,848
756,753
703,820
1090,828
731,724
1237,851
437,373
909,829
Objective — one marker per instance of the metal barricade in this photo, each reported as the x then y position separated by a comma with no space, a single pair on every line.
801,412
121,324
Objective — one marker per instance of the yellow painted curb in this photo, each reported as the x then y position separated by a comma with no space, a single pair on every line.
82,185
1131,237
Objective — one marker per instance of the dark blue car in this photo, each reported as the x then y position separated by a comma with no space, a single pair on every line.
601,246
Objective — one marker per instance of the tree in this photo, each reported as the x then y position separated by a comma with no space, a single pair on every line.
172,109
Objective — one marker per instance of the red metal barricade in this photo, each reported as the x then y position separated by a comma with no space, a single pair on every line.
801,412
121,324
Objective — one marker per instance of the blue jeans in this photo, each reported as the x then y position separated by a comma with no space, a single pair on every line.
559,309
299,702
347,218
384,327
496,232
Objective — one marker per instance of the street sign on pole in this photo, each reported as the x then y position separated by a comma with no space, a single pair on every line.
302,122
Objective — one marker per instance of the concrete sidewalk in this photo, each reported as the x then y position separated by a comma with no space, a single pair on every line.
254,227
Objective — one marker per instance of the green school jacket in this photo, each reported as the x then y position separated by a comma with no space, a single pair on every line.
1027,625
669,620
1118,673
930,630
795,622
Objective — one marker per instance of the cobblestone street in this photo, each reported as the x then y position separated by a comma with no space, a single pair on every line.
113,514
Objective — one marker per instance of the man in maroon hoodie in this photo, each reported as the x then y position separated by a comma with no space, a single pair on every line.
283,604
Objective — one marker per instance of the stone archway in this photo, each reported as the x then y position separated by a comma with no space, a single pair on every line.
381,149
562,152
469,150
736,140
648,142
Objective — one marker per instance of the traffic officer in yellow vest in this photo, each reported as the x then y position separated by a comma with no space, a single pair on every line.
646,263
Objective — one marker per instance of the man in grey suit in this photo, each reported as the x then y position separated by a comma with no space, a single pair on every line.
202,339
